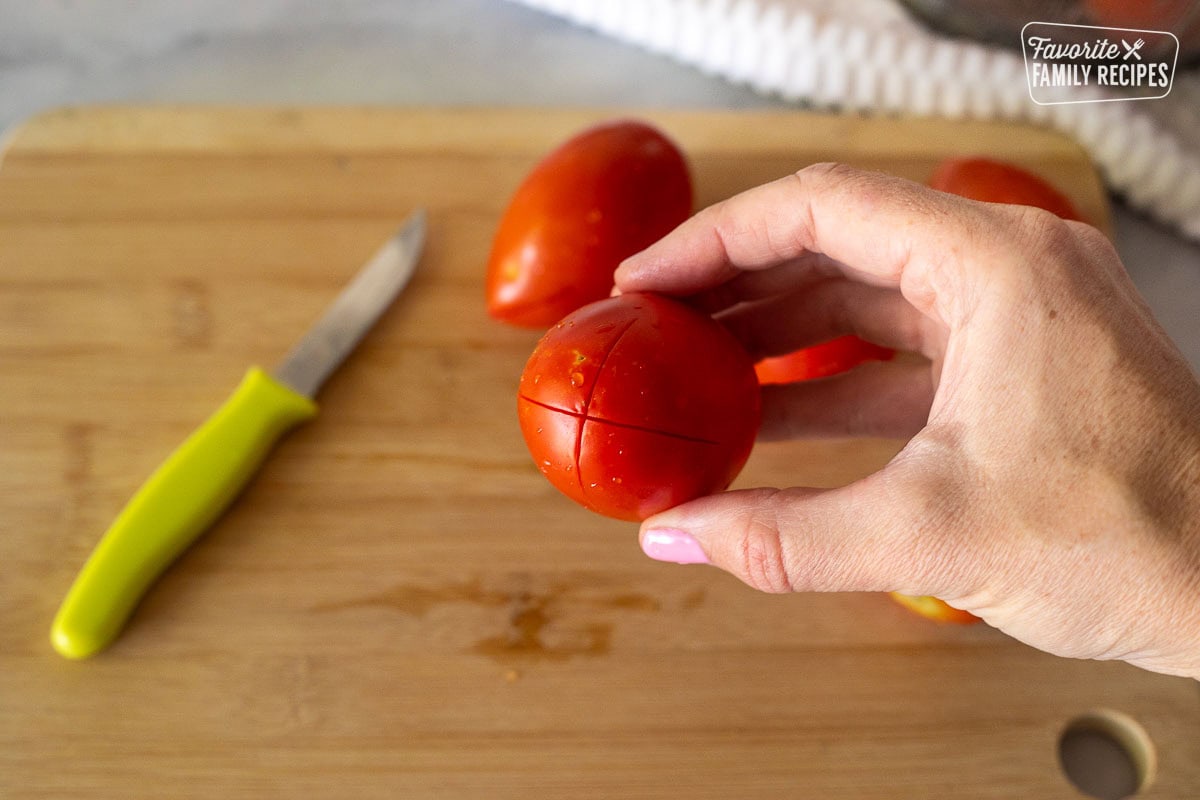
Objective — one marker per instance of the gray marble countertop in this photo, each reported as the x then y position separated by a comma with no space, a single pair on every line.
410,52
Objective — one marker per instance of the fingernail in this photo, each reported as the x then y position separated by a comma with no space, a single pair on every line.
671,544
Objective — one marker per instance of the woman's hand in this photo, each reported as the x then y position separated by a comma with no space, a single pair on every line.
1052,482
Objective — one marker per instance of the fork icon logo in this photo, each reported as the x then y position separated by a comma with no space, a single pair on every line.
1132,49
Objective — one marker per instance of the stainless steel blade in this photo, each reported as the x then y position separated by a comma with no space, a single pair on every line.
355,310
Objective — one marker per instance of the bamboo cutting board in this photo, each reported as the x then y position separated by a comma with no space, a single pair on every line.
399,605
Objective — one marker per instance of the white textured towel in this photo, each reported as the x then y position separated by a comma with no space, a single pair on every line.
869,55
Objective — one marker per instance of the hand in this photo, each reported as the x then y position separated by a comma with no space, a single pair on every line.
1051,484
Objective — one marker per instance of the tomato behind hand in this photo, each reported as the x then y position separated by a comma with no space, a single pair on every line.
935,609
820,361
1180,17
992,181
602,196
989,181
637,403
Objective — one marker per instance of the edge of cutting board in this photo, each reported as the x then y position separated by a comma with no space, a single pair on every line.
278,130
104,128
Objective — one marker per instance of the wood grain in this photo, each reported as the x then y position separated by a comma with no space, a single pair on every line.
399,605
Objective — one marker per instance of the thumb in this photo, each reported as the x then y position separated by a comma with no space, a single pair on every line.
792,540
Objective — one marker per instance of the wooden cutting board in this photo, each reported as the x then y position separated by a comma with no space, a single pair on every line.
399,605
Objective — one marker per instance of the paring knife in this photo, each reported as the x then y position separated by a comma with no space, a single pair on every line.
191,489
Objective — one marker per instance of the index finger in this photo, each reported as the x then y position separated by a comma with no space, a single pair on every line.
879,228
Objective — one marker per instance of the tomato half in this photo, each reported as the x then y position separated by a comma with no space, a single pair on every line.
821,360
935,609
637,403
994,181
602,196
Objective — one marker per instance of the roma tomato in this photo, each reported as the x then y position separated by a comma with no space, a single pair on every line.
999,182
821,360
1180,17
1140,14
605,194
636,403
935,609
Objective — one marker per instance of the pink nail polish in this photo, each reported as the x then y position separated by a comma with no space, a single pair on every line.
671,544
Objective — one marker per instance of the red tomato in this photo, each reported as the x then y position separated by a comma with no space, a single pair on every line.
1180,17
998,182
935,609
821,360
605,194
1159,15
637,403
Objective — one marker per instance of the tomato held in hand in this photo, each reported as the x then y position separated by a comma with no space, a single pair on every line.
605,194
637,403
935,609
998,182
820,361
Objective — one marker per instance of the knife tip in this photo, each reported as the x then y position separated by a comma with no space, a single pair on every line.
418,219
412,231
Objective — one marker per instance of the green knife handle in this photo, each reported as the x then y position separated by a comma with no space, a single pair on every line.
180,501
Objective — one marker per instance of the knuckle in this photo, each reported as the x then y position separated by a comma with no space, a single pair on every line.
827,169
1062,258
833,178
1092,240
759,550
1044,229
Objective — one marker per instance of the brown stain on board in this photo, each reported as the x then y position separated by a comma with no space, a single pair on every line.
540,622
530,633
